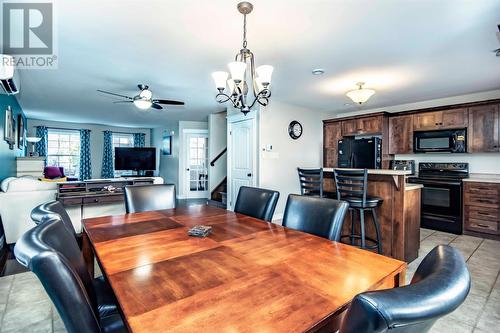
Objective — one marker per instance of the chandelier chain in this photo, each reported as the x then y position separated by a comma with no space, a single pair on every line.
245,31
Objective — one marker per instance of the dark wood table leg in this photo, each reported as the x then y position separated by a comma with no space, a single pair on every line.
88,253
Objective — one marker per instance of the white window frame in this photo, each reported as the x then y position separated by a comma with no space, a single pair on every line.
72,132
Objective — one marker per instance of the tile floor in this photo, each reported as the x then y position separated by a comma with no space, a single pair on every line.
25,307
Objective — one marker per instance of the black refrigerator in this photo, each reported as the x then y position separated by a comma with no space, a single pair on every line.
360,153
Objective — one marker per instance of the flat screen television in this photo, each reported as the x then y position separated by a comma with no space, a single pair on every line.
137,159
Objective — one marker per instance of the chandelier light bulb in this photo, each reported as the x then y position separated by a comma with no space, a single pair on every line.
264,73
220,79
237,69
360,95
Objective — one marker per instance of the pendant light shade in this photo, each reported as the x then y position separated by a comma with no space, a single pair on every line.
237,69
264,74
360,95
220,79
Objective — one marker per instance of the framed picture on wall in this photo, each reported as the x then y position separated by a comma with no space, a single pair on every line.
21,132
9,128
166,147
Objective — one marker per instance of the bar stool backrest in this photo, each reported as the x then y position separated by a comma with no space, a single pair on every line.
311,181
351,183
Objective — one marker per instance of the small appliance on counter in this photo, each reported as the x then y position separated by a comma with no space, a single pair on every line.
441,202
403,165
360,153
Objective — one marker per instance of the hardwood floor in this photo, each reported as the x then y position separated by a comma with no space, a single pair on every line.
25,307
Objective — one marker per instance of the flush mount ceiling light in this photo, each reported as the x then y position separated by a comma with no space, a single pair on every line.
360,95
244,75
318,71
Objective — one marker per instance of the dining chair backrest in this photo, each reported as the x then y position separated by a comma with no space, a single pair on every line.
256,202
41,250
351,183
440,284
318,216
143,198
48,210
311,181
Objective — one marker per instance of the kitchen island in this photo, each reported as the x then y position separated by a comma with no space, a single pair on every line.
399,214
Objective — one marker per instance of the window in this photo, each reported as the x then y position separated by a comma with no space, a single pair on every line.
64,150
122,140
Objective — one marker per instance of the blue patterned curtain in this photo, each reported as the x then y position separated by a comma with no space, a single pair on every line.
41,146
107,158
139,140
85,162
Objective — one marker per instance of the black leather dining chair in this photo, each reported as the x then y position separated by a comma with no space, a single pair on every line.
50,209
318,216
51,252
440,284
256,202
143,198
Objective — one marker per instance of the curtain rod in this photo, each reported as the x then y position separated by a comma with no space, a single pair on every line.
125,132
63,129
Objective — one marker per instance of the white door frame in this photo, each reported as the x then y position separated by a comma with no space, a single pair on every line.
182,159
252,116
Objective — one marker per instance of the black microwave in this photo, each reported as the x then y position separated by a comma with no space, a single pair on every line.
450,141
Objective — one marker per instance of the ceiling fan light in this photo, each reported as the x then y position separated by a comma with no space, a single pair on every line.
237,69
146,94
220,79
360,95
265,73
143,104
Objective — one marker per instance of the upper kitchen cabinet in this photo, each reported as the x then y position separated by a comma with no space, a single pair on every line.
484,124
453,118
332,133
401,134
362,126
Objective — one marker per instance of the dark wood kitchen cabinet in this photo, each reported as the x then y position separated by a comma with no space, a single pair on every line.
362,126
482,208
484,124
401,135
453,118
332,133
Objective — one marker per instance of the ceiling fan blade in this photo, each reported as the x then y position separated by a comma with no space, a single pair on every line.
123,102
167,101
156,106
114,94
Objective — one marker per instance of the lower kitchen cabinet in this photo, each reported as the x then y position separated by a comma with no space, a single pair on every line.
482,208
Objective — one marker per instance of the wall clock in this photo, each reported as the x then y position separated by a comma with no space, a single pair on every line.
295,130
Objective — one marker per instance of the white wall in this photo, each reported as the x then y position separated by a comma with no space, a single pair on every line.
278,169
185,125
96,137
478,163
217,141
167,165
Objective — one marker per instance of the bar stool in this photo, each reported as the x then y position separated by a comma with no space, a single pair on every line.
311,182
352,186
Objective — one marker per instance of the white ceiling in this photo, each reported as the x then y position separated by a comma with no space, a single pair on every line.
407,51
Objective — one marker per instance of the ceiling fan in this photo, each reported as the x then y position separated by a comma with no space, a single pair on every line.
144,100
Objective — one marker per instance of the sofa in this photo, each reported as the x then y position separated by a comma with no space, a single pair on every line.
18,196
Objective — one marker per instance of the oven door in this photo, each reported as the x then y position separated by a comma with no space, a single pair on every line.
441,207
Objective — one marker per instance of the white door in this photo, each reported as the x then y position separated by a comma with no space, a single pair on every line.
196,178
242,157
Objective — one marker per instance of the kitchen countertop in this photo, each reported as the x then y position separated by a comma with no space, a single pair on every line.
388,172
483,177
410,187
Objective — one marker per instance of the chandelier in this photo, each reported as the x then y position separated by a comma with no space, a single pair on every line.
360,95
244,74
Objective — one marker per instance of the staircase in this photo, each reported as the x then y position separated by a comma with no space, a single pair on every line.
218,195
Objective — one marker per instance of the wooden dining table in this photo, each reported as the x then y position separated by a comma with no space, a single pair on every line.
248,275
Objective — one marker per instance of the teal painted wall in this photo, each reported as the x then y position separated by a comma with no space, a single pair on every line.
7,156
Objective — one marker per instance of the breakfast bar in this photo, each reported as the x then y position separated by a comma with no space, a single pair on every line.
399,214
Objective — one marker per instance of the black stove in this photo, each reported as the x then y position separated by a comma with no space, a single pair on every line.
441,207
